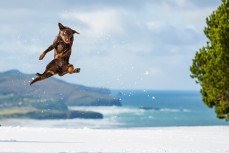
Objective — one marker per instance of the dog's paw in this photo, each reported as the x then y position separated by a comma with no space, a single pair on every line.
41,56
77,70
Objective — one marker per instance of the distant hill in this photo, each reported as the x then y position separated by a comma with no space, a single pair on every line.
15,85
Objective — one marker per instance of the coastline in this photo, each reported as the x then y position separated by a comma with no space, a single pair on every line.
210,139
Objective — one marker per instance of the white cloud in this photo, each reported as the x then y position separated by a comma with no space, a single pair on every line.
155,26
181,2
97,22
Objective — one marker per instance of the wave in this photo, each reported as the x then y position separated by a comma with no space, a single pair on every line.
109,110
164,109
63,123
174,110
115,110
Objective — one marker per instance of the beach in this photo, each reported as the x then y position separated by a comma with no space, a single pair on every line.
193,139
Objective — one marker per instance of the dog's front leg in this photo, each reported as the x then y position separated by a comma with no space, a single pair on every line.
51,47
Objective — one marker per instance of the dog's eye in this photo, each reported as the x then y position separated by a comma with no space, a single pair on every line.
65,33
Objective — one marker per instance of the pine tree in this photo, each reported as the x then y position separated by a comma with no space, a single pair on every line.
210,65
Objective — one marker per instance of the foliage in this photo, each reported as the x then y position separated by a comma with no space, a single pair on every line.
210,65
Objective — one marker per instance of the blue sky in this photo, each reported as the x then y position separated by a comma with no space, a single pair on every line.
132,44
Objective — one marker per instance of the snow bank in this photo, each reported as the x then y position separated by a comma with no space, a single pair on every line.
212,139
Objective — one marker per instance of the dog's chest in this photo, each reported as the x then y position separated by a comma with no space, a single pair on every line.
62,47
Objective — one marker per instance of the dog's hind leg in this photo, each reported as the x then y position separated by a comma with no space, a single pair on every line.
77,70
43,76
72,70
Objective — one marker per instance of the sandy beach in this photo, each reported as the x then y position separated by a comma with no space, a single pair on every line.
208,139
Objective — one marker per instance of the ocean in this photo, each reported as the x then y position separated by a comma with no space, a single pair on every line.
140,109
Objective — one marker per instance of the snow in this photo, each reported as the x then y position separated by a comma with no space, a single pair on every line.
208,139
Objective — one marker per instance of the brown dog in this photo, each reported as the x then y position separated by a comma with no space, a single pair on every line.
62,46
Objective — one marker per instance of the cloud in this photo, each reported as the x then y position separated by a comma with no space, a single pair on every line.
97,22
203,4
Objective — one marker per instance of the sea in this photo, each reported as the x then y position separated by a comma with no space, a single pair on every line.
140,109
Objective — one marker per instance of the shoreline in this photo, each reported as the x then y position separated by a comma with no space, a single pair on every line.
210,139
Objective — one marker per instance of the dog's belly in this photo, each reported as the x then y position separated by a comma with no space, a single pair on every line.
59,63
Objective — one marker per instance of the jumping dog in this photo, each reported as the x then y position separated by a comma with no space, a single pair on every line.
62,46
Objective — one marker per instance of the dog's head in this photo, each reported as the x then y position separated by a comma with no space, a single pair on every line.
66,33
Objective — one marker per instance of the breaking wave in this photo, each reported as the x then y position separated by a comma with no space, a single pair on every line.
114,110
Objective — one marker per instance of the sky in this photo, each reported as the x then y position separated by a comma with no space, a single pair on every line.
132,44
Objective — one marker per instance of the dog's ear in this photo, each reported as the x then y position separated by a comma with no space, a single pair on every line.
75,32
61,27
